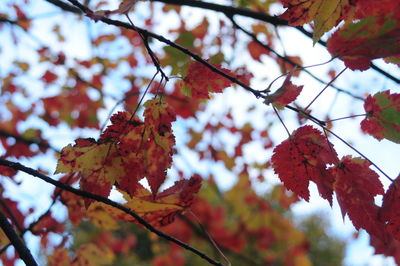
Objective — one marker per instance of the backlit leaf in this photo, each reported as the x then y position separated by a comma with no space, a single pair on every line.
325,13
160,209
383,116
159,147
355,186
286,94
367,39
303,158
201,80
390,210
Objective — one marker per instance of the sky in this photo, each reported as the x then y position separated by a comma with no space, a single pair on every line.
382,153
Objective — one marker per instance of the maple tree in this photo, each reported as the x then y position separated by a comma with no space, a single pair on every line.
138,97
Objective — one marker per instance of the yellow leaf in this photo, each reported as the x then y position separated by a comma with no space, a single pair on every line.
326,14
77,158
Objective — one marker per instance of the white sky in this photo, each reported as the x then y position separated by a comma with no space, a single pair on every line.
383,153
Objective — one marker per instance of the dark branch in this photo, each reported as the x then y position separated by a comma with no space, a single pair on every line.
228,10
274,20
288,60
11,215
41,217
3,19
30,171
42,144
65,6
16,241
160,38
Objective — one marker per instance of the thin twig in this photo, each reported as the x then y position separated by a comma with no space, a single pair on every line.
281,120
160,38
361,154
327,85
153,57
11,215
261,16
229,10
290,61
82,193
345,117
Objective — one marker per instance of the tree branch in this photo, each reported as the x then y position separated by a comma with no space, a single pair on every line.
162,39
16,241
65,6
274,20
228,10
30,171
42,144
288,60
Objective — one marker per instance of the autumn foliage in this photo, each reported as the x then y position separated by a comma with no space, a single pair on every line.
154,143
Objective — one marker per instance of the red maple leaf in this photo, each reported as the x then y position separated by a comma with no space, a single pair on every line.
201,80
49,77
160,142
369,38
382,119
390,210
356,186
286,94
303,158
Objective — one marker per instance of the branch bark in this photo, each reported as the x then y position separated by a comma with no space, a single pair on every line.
16,241
229,11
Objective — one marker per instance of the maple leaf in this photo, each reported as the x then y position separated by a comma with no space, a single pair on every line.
7,171
201,80
367,8
97,162
303,158
383,116
387,246
159,147
367,39
355,186
326,14
256,50
125,6
285,66
184,106
286,94
49,77
160,209
127,151
390,210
